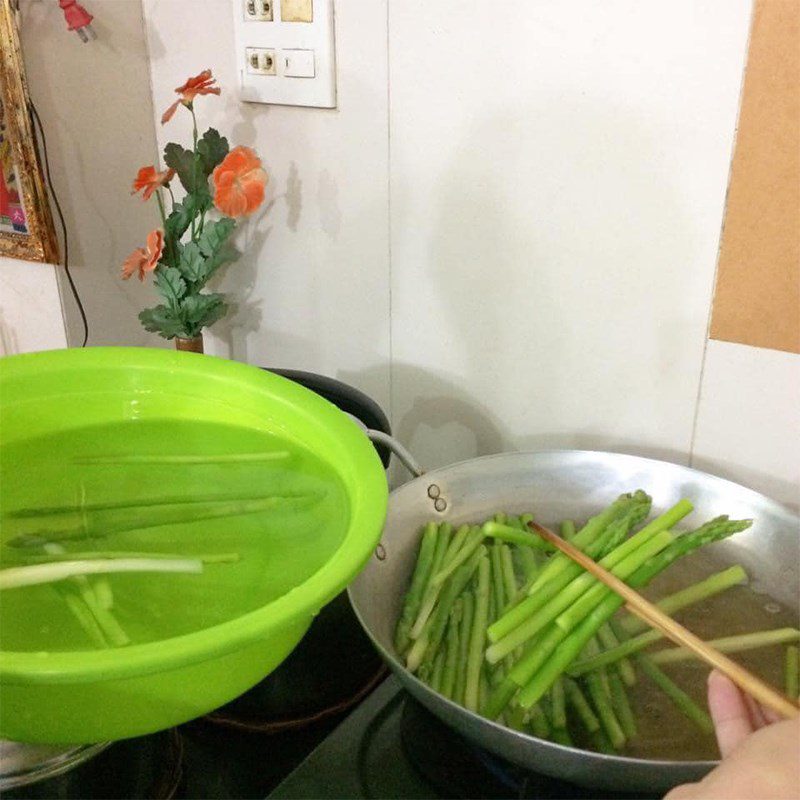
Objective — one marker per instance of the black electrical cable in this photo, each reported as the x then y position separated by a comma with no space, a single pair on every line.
38,123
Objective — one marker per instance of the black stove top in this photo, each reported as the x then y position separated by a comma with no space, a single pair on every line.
388,747
391,746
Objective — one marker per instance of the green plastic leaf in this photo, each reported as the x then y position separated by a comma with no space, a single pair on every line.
189,169
214,236
226,253
192,264
201,310
180,218
162,320
212,148
170,285
215,246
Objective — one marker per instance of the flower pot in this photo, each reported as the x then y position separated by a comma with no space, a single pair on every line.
194,345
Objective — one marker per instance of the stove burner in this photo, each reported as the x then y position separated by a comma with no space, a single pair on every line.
458,768
150,767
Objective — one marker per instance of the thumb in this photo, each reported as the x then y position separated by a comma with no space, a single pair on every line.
732,721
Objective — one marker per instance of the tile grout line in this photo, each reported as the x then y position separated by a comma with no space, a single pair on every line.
389,212
709,320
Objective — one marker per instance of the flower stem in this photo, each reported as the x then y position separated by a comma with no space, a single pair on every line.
194,159
161,209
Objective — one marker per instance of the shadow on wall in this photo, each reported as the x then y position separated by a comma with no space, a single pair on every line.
548,288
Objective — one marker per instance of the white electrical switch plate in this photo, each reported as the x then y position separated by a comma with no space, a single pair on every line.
274,51
298,63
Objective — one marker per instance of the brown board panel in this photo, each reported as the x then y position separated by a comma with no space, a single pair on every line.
757,297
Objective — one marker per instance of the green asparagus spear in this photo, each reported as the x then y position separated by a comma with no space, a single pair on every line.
538,722
713,585
477,636
471,544
451,650
580,705
594,528
621,705
436,674
624,667
561,736
713,531
499,698
431,592
792,671
427,645
675,693
568,530
731,644
419,581
602,706
505,533
509,579
516,719
699,591
602,743
483,688
569,618
557,702
536,676
523,611
456,542
528,562
571,604
498,587
467,613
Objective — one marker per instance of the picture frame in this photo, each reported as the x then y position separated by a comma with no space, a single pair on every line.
26,223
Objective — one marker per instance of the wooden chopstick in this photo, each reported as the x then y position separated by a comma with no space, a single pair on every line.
657,619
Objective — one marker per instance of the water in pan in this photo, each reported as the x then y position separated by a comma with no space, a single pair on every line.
663,732
118,487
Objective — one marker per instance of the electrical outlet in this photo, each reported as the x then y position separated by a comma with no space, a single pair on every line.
258,10
260,61
298,56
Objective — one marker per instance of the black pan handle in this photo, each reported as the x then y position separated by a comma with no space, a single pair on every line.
350,400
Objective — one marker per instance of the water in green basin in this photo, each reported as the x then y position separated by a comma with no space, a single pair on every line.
101,489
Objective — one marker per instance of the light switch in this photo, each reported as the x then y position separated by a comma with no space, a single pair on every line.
289,59
297,10
298,63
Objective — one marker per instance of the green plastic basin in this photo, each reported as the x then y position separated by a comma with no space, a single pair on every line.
87,694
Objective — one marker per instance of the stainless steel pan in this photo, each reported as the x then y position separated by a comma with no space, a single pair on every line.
557,485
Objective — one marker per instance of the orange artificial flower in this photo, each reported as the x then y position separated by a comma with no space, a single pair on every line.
239,183
144,259
149,179
200,84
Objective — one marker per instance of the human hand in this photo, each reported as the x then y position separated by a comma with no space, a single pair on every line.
760,755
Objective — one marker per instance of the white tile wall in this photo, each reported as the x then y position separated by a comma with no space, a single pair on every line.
558,176
748,423
30,308
555,175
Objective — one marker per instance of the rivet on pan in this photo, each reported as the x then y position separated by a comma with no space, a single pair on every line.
380,552
433,491
440,504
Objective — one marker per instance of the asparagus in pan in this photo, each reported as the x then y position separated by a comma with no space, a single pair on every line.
499,623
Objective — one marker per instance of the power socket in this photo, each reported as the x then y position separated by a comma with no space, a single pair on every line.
260,61
258,10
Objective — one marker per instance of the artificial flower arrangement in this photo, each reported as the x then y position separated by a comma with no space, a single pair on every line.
194,241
